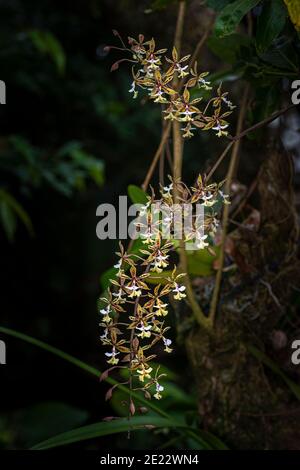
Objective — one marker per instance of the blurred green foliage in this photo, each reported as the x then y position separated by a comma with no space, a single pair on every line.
63,110
65,172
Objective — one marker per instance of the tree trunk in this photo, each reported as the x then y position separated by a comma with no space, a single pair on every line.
238,399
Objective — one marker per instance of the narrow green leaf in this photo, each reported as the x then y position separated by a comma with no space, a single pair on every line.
47,347
213,440
98,429
229,75
270,23
293,7
200,262
10,208
137,195
106,276
38,39
113,427
282,55
8,219
24,148
158,278
56,52
82,365
231,16
218,5
228,47
47,43
266,102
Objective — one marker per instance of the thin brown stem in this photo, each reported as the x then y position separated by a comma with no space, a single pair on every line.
162,157
132,337
131,359
177,152
225,216
198,48
164,138
169,154
201,42
177,174
242,134
177,139
247,195
263,123
179,25
198,313
219,161
162,167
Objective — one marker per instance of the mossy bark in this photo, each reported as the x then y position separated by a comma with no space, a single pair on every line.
238,399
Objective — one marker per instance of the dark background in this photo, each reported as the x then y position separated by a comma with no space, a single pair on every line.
50,281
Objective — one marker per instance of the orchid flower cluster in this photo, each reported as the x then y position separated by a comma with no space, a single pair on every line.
134,310
170,87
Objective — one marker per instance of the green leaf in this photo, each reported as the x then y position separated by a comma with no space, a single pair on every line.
176,395
87,161
57,183
48,44
231,75
282,55
69,148
266,102
158,278
200,262
24,148
106,276
262,357
214,441
231,16
96,171
270,23
98,429
47,347
293,7
84,160
10,211
217,5
136,194
174,399
228,47
82,365
56,52
8,219
116,426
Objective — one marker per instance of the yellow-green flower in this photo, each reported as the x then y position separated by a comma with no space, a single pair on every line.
113,360
144,373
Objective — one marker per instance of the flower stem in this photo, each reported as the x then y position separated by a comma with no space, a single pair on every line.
177,175
179,25
229,177
157,155
130,370
242,134
202,320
